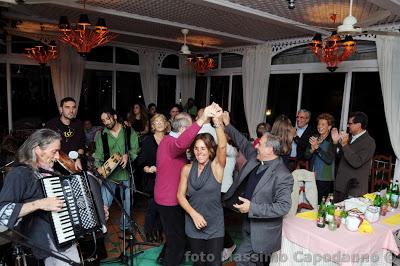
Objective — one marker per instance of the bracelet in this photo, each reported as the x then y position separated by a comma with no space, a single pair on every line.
217,125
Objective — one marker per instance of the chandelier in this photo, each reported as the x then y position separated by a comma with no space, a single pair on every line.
83,37
201,64
332,50
42,53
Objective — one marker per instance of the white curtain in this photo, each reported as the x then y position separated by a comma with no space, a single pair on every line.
148,65
67,73
186,80
256,68
388,55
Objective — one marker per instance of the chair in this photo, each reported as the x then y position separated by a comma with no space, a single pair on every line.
303,164
305,193
381,172
292,163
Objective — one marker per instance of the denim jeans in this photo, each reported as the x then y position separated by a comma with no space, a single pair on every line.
108,199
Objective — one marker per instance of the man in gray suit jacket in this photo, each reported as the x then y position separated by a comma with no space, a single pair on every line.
266,197
356,155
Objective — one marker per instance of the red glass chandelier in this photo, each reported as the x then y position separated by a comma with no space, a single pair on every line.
332,50
42,53
83,37
201,64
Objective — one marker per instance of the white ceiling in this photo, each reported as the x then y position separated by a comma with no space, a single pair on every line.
213,24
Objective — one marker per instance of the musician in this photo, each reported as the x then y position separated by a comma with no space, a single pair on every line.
116,138
22,202
70,129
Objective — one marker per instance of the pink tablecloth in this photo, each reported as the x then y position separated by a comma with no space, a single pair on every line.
322,241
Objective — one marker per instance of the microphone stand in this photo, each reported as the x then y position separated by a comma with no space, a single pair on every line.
30,244
123,258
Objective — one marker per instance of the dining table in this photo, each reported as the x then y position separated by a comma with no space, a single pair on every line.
303,243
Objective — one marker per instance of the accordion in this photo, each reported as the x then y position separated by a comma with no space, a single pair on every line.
78,215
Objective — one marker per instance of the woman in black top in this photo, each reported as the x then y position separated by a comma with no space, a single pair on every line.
147,162
139,120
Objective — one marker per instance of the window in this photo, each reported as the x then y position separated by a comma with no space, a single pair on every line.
3,48
129,91
219,91
101,54
231,60
282,96
3,100
171,61
125,56
33,100
96,93
323,93
201,91
238,116
166,93
366,96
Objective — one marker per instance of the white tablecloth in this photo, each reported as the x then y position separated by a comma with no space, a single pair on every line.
293,254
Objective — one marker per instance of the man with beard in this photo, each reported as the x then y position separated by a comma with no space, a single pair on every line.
115,138
70,129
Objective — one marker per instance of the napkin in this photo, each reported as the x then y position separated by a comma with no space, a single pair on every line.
355,203
370,196
365,227
308,215
392,220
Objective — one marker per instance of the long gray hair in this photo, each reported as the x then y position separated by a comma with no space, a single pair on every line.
40,138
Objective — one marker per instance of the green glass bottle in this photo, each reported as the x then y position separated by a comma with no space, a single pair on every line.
394,197
321,214
389,191
378,200
330,211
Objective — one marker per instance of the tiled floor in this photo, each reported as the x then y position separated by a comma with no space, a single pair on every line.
148,256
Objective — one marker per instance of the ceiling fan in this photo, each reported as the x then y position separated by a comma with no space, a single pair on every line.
184,48
351,26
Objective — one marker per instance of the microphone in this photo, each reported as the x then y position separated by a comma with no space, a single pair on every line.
73,155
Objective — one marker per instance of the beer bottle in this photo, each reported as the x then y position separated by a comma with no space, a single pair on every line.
321,214
394,197
327,202
330,211
378,201
389,191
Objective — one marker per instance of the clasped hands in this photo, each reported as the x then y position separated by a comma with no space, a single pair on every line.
213,111
342,137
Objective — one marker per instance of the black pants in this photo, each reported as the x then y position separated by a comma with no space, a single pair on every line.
152,220
228,241
324,188
173,224
206,252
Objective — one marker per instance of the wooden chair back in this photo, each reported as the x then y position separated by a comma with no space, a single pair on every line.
381,172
